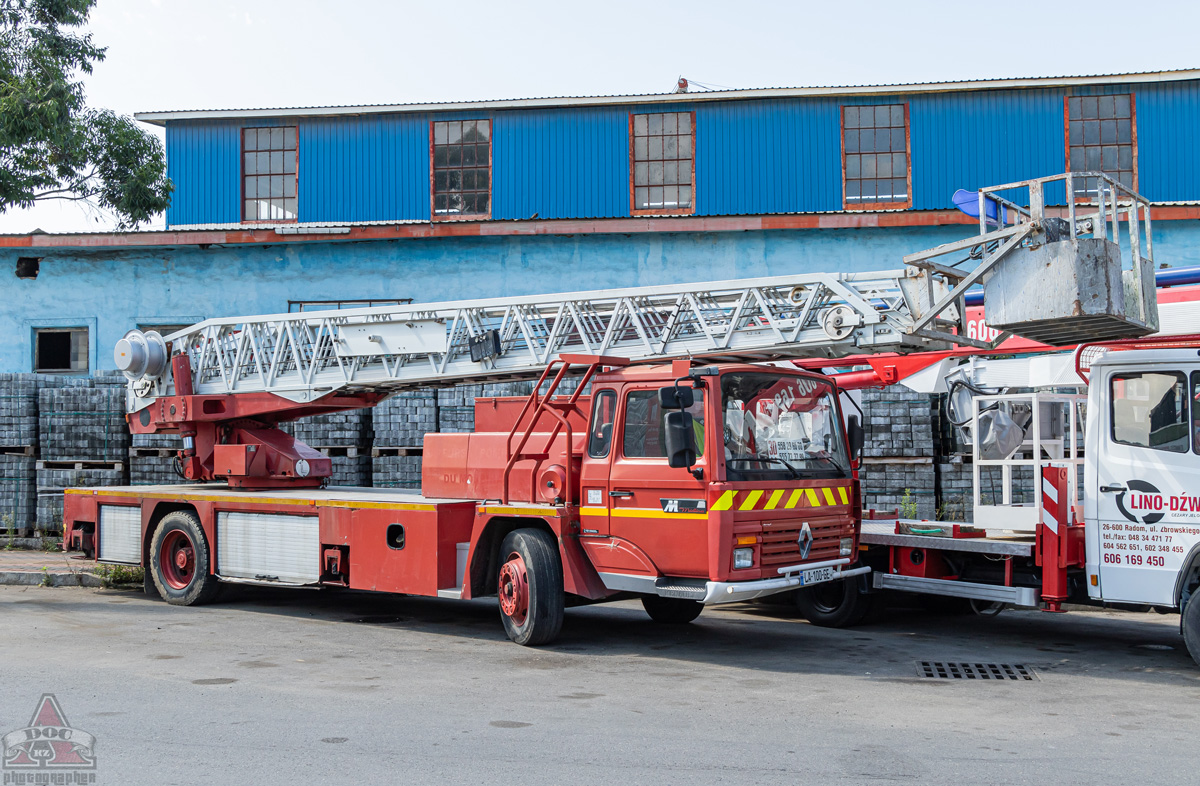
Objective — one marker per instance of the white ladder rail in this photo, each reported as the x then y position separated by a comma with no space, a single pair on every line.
304,356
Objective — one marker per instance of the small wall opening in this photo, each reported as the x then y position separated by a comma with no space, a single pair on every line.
27,267
60,350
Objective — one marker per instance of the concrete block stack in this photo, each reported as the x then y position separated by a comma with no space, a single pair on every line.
456,406
152,459
898,455
403,420
18,450
83,440
18,494
399,426
396,469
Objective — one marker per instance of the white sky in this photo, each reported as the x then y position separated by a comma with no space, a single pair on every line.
216,54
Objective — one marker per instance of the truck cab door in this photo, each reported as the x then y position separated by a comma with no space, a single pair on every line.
597,460
660,510
1147,480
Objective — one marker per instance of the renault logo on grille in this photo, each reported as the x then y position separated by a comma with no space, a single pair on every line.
805,541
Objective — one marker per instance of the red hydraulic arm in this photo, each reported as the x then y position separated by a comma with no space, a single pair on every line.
235,438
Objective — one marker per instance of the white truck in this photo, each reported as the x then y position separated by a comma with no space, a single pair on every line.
1125,534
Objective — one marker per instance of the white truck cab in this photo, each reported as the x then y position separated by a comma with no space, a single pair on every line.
1142,476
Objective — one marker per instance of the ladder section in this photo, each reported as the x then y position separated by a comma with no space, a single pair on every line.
308,355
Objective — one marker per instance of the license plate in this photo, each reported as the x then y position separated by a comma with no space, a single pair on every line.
816,576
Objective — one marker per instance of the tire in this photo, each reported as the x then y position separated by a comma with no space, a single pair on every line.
1191,626
834,604
671,611
180,561
530,587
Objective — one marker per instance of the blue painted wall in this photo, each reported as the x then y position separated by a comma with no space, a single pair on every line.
752,156
111,292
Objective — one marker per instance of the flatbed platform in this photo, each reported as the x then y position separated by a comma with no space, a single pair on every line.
882,532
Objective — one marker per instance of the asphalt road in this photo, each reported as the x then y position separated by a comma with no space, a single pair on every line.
277,687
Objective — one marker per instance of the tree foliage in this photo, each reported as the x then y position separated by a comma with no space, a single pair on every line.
52,145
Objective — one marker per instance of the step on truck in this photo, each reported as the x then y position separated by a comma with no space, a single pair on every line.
685,468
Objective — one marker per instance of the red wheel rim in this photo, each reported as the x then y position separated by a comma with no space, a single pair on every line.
177,559
514,589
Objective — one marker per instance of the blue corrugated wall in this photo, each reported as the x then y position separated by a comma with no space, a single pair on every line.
537,168
364,168
752,156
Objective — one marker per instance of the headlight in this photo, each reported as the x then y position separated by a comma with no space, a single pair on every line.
302,468
743,558
847,547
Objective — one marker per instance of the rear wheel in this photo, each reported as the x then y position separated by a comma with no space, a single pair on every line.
530,587
834,604
1191,626
671,611
180,561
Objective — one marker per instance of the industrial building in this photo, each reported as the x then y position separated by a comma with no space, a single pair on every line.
280,209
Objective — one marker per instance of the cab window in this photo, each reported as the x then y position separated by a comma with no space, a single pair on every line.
644,433
604,409
1196,411
1150,410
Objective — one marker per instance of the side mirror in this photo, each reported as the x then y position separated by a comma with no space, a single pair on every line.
675,397
856,436
681,439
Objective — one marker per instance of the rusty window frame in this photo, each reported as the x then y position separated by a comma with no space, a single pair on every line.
875,204
461,168
286,155
1082,119
690,167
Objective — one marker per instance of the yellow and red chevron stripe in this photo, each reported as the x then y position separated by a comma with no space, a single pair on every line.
782,499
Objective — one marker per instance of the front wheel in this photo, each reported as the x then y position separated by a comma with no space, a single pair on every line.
834,604
180,561
1191,626
671,611
531,587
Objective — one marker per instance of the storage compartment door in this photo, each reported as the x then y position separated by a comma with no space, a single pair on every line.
120,536
268,547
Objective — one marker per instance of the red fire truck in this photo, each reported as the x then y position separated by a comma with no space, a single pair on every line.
683,484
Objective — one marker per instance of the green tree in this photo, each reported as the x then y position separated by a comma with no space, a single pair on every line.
52,145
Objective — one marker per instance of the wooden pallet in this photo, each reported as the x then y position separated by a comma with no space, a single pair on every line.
80,464
141,452
334,451
398,451
18,450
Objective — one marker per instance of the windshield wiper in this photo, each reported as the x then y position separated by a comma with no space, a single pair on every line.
840,468
759,457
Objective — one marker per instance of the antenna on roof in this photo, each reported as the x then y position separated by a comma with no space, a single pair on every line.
682,85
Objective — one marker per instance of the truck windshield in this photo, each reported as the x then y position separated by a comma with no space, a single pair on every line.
779,427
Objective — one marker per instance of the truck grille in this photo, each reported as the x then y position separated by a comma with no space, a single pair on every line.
780,541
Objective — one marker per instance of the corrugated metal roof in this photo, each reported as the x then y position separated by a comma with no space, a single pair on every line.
161,118
291,227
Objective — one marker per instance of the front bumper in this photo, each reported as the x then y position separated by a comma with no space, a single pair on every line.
717,592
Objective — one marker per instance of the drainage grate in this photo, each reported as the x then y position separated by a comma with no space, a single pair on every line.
975,671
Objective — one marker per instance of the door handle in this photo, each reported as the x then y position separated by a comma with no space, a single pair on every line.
1112,488
620,493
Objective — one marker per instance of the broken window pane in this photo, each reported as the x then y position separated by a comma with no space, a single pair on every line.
461,157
